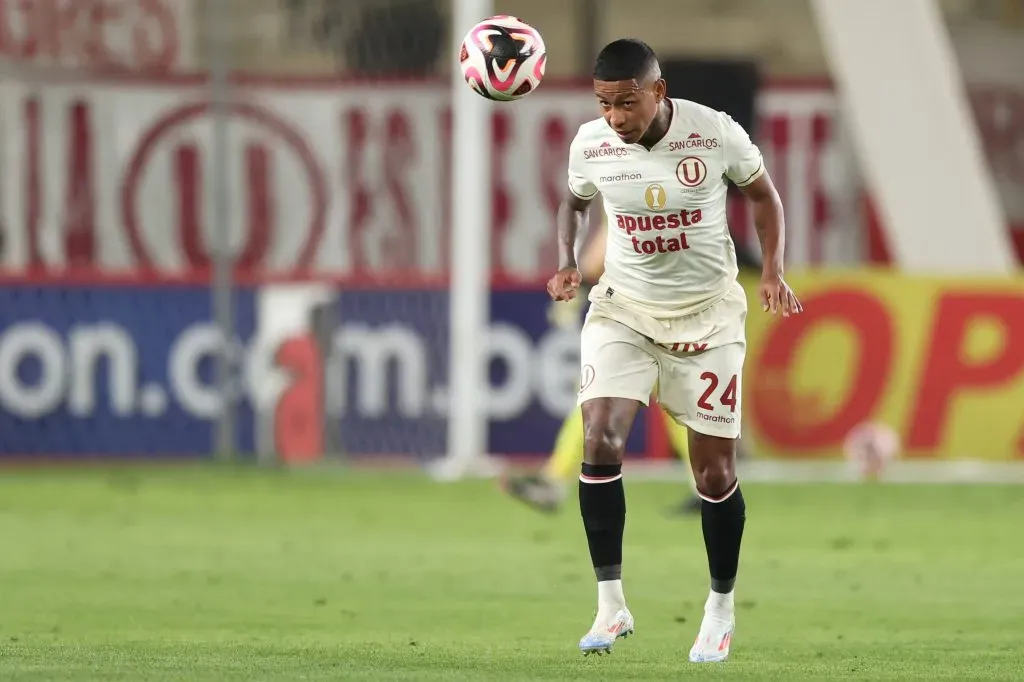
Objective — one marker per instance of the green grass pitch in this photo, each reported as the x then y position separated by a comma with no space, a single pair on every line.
239,574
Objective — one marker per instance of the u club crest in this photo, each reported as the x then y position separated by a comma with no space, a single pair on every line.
691,171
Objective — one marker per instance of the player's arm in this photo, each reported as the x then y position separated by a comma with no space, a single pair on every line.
589,267
745,167
769,221
571,216
770,224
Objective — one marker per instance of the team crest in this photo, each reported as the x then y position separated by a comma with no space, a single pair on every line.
654,196
587,377
691,171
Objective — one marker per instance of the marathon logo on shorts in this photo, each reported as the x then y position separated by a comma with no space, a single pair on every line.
606,150
715,418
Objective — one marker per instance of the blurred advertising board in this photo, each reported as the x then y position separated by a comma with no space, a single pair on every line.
149,36
941,361
123,368
341,187
329,177
106,340
111,370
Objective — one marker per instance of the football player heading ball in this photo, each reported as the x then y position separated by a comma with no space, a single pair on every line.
667,314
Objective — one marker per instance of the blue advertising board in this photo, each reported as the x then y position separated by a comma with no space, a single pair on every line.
118,371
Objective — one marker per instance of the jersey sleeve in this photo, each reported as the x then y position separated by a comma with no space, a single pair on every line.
579,183
743,162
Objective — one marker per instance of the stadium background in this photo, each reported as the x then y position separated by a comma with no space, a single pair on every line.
337,163
280,170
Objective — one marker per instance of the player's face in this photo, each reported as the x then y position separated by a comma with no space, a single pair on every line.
629,107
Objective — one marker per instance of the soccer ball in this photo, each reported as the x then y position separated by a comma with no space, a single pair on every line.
502,58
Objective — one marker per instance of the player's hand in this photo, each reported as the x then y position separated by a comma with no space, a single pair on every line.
563,286
776,295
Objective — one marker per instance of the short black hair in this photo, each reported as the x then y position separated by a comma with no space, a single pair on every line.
625,59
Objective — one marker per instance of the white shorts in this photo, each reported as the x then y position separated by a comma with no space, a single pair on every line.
696,378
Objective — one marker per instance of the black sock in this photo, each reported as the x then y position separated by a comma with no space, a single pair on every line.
603,507
722,523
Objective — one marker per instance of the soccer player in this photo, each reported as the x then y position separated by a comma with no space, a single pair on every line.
545,491
668,313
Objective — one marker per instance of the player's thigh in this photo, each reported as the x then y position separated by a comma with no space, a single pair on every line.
615,362
703,392
618,373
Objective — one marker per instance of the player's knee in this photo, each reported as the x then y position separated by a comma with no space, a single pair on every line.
714,465
602,445
715,480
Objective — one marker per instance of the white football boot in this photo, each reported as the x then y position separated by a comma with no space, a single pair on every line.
605,631
715,636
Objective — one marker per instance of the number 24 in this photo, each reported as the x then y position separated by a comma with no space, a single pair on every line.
728,397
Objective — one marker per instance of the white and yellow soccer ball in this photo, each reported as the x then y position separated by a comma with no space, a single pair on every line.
502,58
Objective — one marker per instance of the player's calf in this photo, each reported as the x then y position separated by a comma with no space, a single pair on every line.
603,508
722,520
723,516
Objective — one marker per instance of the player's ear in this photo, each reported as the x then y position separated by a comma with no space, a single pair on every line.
660,89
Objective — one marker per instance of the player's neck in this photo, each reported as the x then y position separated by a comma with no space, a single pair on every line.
659,126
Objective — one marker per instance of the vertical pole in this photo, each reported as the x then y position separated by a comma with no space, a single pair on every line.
470,255
589,14
218,216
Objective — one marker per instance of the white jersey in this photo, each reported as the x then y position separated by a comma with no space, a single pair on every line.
669,251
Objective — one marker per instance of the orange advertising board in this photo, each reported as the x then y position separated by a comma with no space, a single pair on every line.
939,360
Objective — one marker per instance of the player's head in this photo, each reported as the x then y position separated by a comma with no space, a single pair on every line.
629,87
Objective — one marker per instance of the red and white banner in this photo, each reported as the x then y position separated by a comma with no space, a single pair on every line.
338,180
149,36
